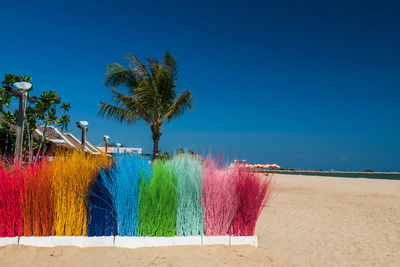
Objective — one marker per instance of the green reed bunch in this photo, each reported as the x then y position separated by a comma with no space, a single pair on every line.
158,201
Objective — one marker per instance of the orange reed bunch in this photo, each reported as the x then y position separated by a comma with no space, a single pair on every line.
72,174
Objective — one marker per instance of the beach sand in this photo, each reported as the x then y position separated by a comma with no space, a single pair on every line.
311,221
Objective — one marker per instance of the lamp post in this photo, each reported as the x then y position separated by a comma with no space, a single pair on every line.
106,138
118,145
83,125
22,93
5,85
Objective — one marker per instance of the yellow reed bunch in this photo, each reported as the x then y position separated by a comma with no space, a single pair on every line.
73,173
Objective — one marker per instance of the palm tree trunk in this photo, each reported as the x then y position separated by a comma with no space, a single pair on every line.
156,139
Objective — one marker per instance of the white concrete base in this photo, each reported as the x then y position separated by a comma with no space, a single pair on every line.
187,240
216,240
153,241
129,242
97,241
244,240
70,241
5,241
37,241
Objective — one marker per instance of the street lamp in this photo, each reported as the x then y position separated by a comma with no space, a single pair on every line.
5,85
23,85
23,95
83,125
118,145
106,138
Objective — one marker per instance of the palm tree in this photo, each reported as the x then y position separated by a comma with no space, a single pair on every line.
146,92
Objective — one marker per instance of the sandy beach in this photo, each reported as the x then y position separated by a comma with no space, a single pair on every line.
311,221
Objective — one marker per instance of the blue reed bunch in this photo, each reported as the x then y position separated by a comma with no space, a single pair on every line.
100,210
122,183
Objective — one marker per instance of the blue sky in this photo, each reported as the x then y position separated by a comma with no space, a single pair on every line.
305,84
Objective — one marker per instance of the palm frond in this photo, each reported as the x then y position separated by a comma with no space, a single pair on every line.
136,66
171,63
147,96
153,66
117,75
178,108
118,114
132,104
165,87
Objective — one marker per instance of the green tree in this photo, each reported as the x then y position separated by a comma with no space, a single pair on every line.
185,151
164,156
42,112
146,92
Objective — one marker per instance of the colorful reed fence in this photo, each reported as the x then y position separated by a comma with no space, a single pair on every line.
78,194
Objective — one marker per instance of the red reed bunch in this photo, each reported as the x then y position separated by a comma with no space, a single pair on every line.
11,193
254,191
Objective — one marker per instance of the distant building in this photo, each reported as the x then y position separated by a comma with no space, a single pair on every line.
113,150
54,136
66,140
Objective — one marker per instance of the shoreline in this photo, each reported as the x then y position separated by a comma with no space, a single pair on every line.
339,174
